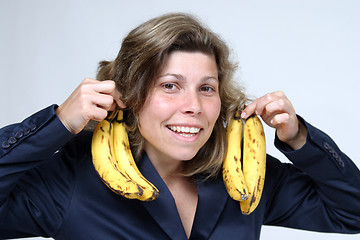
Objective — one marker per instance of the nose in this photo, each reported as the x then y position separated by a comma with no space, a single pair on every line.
192,103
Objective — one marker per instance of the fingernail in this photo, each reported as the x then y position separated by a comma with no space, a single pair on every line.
243,115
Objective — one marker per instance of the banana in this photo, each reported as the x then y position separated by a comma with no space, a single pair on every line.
232,170
104,162
254,162
244,174
125,161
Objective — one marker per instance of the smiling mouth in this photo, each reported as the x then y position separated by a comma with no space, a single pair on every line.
185,131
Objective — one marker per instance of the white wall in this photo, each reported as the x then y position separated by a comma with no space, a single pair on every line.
307,48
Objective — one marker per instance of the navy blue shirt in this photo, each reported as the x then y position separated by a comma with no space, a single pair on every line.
49,188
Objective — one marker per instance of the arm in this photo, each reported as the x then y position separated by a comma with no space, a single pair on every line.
22,189
35,139
321,190
35,178
26,144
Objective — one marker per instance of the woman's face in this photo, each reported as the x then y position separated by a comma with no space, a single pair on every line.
181,110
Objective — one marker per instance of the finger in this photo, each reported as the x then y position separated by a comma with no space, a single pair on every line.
279,106
89,85
270,103
286,125
258,106
117,97
280,94
89,81
280,119
249,110
98,114
107,86
104,101
113,107
102,89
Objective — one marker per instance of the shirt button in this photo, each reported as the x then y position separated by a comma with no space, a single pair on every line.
19,134
327,146
340,161
27,131
12,140
5,144
342,164
33,127
334,154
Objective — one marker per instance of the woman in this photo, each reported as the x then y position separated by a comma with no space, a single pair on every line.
173,77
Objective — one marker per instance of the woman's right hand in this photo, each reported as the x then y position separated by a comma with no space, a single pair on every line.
91,100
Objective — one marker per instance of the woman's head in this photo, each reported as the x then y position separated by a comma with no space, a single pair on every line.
181,109
140,60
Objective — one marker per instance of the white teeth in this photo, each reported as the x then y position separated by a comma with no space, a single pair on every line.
186,134
184,130
194,130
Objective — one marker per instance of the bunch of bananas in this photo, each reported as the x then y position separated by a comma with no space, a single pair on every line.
114,163
243,167
245,162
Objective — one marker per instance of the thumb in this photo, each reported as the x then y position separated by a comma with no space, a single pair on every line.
117,97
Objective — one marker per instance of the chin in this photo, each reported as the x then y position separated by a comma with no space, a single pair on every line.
185,156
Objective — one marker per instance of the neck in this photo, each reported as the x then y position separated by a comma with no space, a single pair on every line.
168,169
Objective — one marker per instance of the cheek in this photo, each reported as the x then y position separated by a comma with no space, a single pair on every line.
162,105
214,111
155,110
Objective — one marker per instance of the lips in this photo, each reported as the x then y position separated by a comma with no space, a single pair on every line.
184,130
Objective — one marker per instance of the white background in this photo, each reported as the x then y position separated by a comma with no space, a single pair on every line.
307,48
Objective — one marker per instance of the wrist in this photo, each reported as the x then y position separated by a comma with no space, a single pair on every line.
299,140
59,113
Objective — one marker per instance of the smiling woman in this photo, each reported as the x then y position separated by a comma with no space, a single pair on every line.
174,80
141,69
185,106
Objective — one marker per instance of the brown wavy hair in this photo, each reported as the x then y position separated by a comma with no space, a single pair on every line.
141,58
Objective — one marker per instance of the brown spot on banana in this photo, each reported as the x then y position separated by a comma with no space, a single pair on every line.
126,147
259,183
253,198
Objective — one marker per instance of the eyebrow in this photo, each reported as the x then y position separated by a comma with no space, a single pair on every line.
178,76
182,78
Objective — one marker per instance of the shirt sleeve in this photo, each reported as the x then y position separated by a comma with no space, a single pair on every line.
30,166
320,191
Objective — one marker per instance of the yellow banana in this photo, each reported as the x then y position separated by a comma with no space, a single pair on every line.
254,162
125,161
232,169
104,162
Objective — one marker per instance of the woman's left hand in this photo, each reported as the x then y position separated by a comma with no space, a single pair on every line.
277,111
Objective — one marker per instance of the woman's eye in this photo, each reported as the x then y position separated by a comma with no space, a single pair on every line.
207,89
169,86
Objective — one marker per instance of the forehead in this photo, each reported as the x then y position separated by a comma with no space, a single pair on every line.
190,63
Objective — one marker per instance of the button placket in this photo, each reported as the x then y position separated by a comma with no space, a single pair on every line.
19,134
334,154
